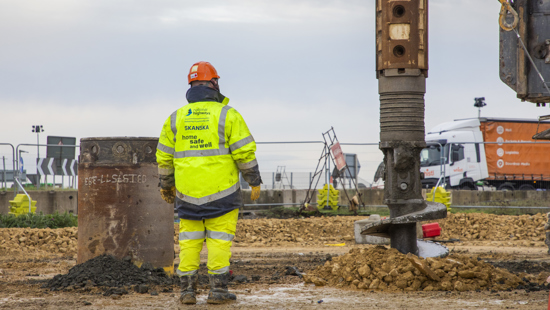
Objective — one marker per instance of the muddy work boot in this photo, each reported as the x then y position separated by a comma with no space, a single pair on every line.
218,289
188,288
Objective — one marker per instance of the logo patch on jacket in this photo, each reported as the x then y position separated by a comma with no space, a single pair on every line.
202,127
199,112
189,113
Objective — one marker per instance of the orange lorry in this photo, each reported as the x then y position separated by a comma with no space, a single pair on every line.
491,151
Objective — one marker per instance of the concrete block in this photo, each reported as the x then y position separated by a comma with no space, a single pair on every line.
5,202
372,196
48,202
271,196
300,195
287,196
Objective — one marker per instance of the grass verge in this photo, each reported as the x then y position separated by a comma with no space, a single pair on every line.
31,220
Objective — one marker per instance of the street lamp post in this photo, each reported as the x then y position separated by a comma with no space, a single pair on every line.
38,129
479,103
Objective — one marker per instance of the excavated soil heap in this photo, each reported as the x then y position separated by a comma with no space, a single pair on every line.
528,230
61,240
112,275
481,226
258,232
307,231
524,230
385,269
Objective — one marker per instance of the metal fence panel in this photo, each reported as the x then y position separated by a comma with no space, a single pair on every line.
301,159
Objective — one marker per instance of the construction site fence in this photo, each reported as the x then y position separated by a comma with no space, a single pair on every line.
293,164
23,161
303,180
297,159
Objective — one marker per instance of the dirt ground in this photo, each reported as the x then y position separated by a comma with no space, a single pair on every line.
268,279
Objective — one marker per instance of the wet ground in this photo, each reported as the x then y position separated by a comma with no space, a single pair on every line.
268,278
268,257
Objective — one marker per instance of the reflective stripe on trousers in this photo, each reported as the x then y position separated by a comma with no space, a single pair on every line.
192,235
220,235
195,235
187,273
219,271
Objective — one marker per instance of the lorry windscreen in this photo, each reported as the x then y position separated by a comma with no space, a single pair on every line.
431,155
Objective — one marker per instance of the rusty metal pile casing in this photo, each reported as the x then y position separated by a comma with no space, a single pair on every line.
402,69
120,211
402,35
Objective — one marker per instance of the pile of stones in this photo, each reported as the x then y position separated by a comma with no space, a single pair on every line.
17,240
380,268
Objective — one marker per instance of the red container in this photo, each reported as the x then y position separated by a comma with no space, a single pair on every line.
431,230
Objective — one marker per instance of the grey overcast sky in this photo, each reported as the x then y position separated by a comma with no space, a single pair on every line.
292,68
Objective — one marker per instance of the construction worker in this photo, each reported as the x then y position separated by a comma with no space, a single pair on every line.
202,147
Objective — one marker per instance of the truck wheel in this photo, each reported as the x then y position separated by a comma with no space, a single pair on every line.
526,187
506,187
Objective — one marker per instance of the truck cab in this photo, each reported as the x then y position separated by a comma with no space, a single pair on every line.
455,150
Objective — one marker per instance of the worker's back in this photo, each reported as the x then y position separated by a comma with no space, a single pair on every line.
202,160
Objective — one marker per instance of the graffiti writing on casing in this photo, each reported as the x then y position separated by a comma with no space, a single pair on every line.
115,178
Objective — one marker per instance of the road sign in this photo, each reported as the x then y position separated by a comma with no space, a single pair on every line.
338,156
9,176
60,152
73,167
69,167
45,166
64,166
353,164
39,163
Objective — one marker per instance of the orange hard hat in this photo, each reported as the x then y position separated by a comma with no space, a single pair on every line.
202,71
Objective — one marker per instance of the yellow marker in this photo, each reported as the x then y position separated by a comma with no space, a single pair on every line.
335,244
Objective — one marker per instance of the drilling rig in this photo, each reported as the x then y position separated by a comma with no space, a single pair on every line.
402,69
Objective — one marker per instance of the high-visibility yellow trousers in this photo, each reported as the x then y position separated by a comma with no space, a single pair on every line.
218,232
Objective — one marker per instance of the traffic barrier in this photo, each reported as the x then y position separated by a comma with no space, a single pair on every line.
328,192
20,205
441,196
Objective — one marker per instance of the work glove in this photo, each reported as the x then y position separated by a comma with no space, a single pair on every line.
168,195
255,194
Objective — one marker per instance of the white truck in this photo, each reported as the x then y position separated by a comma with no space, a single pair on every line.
457,151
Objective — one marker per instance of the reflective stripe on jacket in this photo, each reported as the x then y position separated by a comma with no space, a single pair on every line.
204,144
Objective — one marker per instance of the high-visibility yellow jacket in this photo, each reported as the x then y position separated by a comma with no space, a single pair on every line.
201,148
